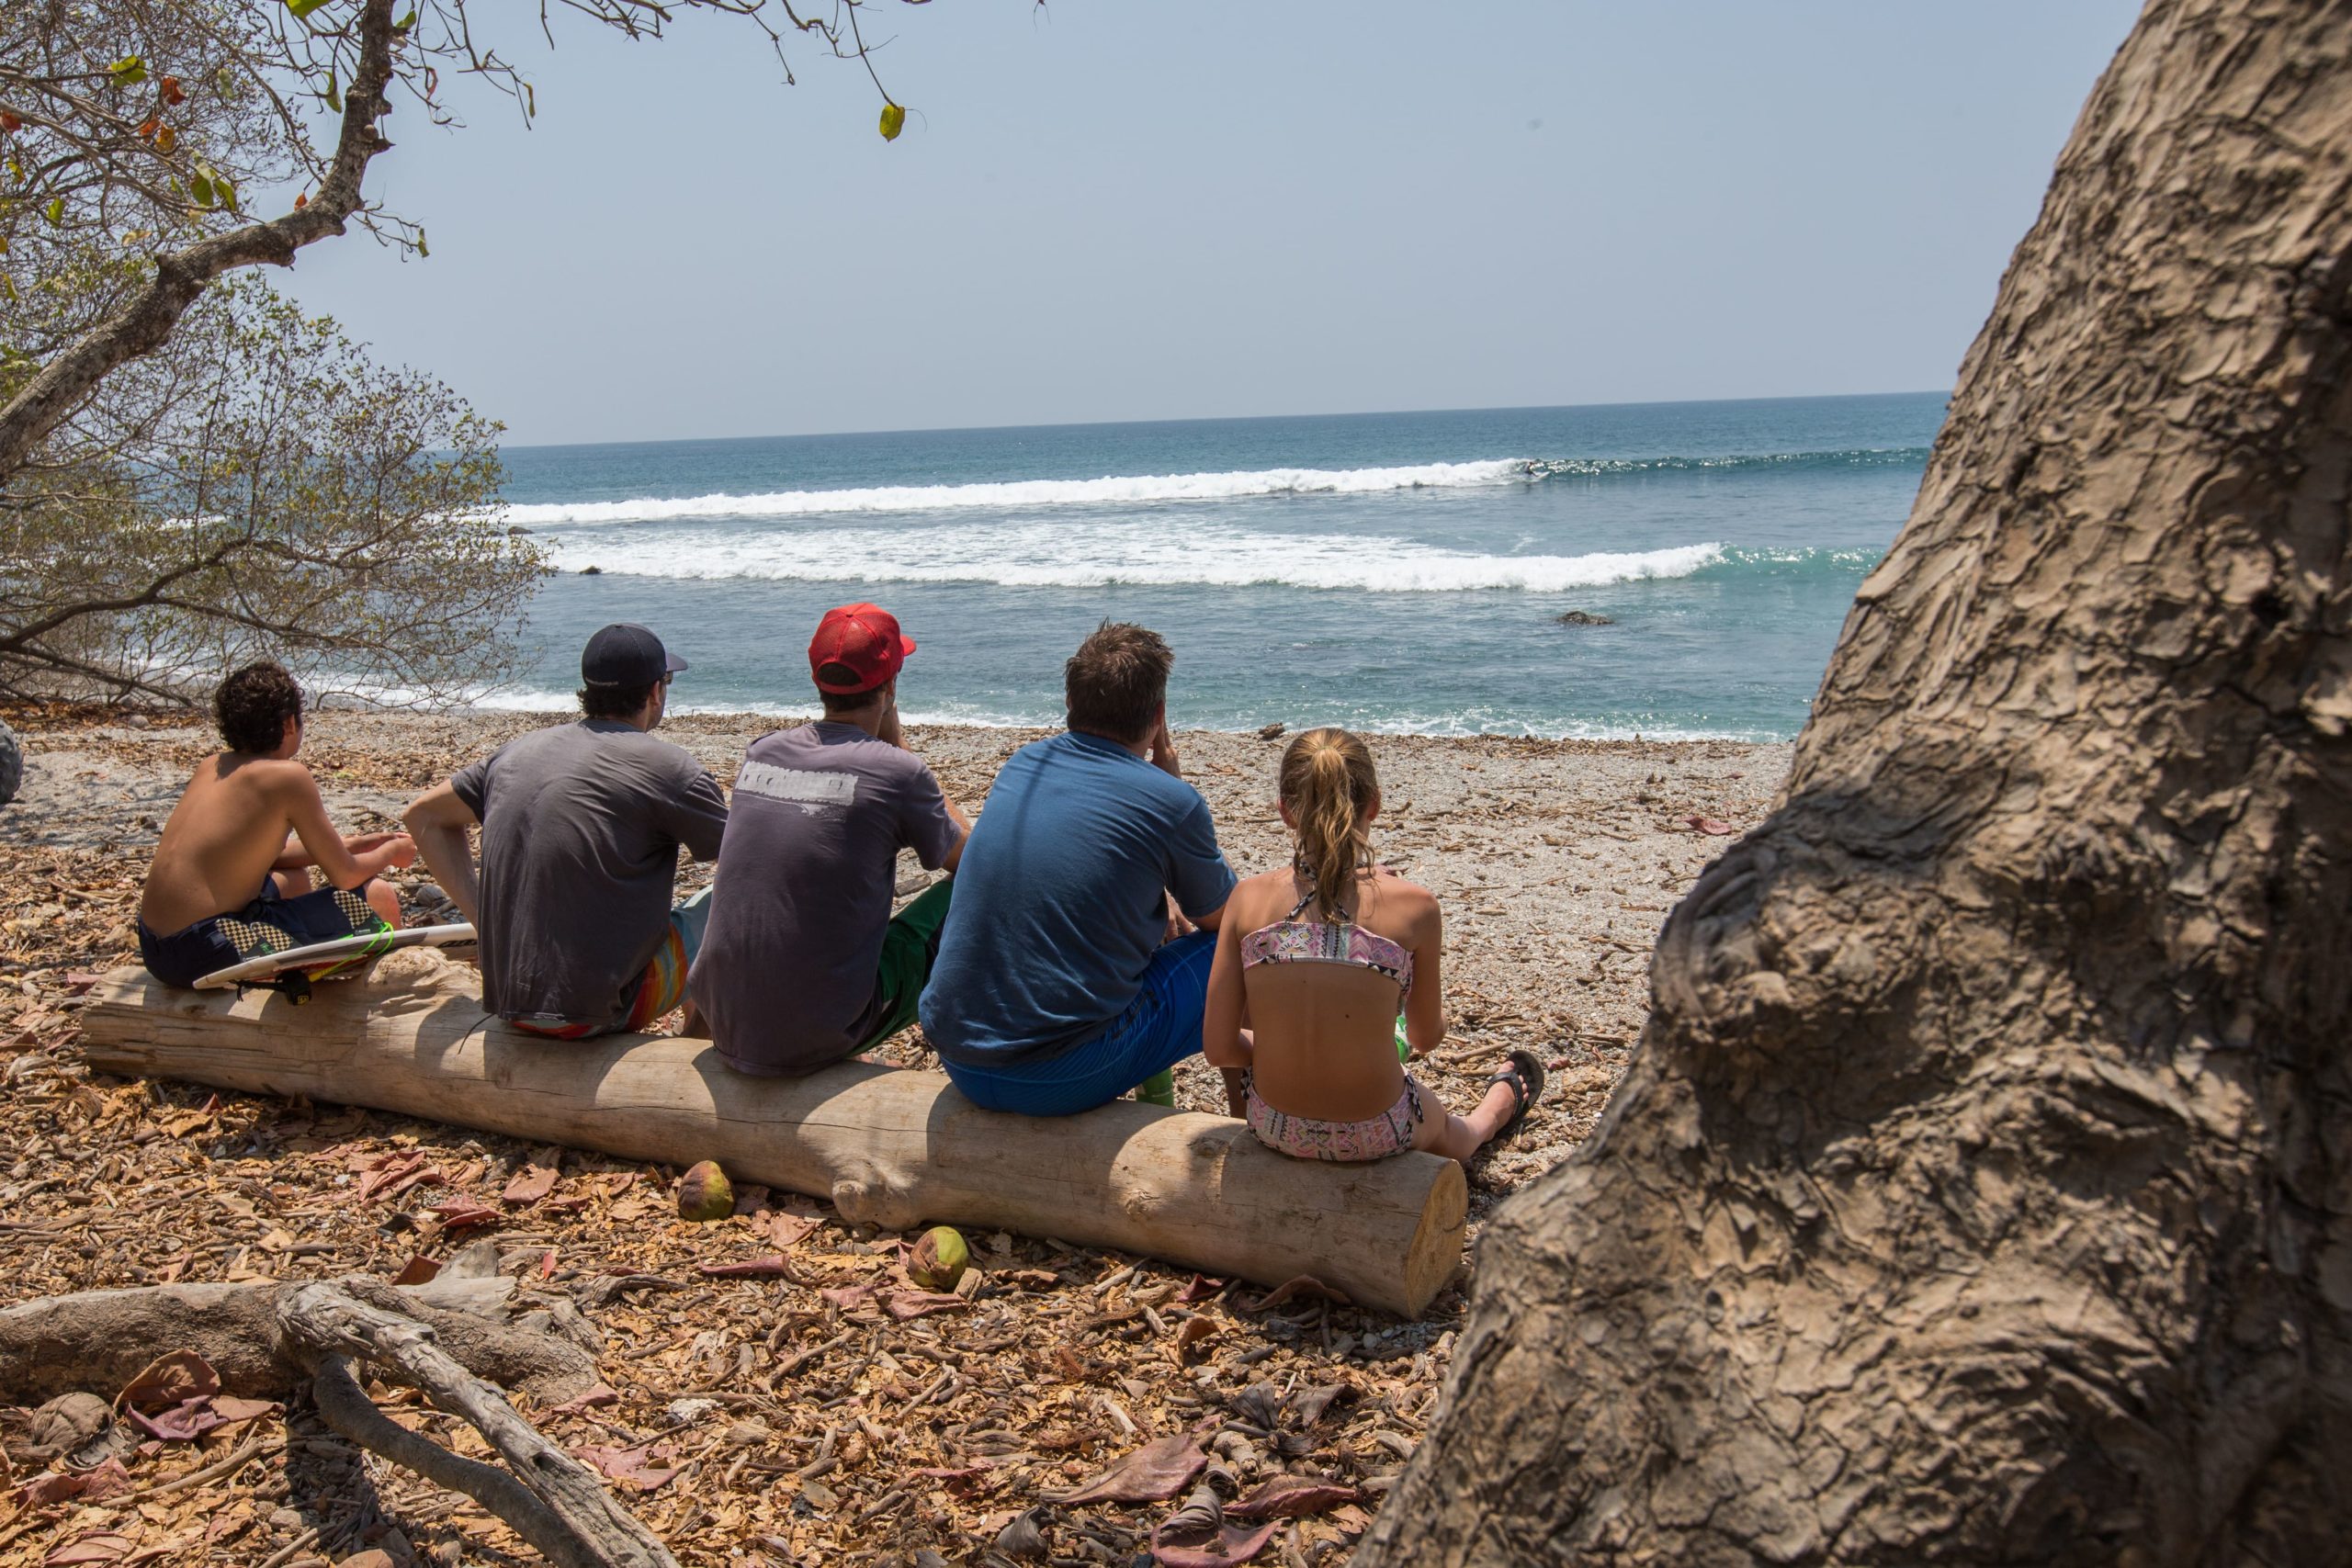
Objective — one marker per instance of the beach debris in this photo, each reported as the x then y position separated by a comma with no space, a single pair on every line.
1196,1535
775,1266
1298,1285
1021,1537
705,1193
1272,731
1713,826
939,1259
1582,618
1053,1381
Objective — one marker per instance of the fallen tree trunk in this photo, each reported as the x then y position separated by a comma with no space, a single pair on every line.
97,1340
890,1146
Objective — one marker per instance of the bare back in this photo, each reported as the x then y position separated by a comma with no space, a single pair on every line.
223,839
1324,1031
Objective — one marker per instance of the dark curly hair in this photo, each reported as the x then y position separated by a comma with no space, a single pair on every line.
1116,682
613,702
252,706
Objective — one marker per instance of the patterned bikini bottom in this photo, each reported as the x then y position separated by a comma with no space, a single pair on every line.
1308,1137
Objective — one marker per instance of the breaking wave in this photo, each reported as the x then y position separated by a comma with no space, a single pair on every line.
1143,490
1043,555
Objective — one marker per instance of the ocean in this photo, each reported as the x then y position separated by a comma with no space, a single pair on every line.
1391,573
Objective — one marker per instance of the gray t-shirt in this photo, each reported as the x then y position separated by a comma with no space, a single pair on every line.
580,825
786,977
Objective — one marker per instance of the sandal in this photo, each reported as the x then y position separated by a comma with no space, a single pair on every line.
1524,1077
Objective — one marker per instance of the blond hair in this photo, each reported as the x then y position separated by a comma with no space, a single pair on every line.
1329,784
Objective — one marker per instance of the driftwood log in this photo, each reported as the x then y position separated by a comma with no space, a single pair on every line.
97,1340
446,1339
893,1147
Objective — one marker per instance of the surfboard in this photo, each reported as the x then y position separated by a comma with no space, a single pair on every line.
293,970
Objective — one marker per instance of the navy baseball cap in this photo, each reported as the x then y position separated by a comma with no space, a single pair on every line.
626,654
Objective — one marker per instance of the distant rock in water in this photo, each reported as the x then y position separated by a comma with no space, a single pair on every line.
592,571
1582,618
517,531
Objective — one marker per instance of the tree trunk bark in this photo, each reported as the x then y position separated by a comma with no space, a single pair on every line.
894,1148
1979,1191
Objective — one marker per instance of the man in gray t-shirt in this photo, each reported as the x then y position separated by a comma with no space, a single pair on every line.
803,964
580,825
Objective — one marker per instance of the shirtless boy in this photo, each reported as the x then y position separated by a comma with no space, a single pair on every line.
252,819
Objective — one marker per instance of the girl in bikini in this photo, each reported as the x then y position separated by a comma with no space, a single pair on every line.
1315,965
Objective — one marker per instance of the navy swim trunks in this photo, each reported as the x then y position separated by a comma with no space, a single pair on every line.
271,924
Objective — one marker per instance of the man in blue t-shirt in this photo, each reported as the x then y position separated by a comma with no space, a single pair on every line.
1057,987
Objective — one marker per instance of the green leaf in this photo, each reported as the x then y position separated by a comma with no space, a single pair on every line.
406,22
225,192
200,187
128,70
419,244
333,93
530,102
894,121
56,209
302,8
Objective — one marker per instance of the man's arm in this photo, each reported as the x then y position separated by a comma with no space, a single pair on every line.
344,867
699,818
439,820
963,834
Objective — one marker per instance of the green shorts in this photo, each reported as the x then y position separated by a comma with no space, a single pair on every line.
910,946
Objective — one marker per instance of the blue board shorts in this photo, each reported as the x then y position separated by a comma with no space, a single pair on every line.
1159,1029
271,924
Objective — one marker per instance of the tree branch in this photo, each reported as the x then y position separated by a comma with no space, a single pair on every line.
142,326
326,1320
344,1406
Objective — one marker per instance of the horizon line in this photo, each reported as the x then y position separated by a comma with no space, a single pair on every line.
1218,418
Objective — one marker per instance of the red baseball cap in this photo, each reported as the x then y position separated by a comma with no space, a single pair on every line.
866,638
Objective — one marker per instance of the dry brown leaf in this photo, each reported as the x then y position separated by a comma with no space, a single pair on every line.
1153,1472
1281,1496
1190,1333
530,1184
169,1380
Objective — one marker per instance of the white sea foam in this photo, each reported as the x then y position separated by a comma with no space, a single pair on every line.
1115,490
1043,555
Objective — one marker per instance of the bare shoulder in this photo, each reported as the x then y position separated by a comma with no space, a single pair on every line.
1252,895
1409,905
280,780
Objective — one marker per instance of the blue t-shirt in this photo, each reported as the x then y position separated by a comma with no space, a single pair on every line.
1060,899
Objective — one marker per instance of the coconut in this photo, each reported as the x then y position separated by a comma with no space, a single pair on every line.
939,1259
704,1193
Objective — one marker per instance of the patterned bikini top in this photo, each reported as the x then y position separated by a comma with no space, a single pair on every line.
1293,940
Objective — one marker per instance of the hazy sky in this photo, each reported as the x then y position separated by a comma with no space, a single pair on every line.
1114,209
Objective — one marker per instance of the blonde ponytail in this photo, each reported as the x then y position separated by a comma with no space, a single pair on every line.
1329,784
